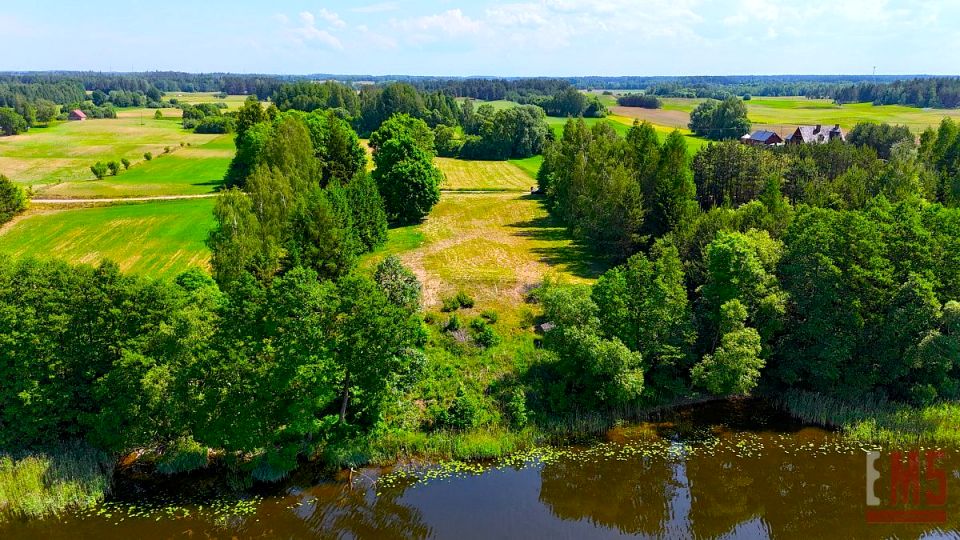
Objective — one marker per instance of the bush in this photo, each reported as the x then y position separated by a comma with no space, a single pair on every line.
166,149
125,162
516,408
463,413
148,156
12,199
483,334
99,170
460,300
491,316
114,168
158,115
453,324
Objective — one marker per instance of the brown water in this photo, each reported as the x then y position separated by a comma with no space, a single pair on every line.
730,470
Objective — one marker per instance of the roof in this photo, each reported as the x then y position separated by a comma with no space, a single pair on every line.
760,136
78,112
817,134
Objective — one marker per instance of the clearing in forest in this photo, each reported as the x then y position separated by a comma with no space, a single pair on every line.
494,246
463,175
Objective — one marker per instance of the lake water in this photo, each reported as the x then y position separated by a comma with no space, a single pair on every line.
722,470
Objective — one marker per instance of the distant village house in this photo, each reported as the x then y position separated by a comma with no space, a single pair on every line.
761,138
816,135
77,114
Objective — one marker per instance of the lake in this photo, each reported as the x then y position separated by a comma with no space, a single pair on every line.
736,469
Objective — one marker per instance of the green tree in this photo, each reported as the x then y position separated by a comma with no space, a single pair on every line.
12,200
11,122
369,213
99,170
674,203
720,120
406,178
734,368
399,284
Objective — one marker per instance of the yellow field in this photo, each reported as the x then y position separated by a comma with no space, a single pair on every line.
463,175
494,246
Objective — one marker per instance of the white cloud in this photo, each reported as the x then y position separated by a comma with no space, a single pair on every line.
308,32
377,8
451,22
332,18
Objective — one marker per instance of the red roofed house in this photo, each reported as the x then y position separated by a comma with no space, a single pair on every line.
77,114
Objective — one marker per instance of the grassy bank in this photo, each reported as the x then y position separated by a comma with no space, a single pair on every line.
879,422
38,484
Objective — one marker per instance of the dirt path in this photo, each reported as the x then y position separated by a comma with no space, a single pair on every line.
123,199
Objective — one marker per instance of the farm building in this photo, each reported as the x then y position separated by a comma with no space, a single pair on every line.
761,138
816,134
77,114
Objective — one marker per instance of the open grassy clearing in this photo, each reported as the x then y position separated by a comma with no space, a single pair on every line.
463,175
232,101
64,152
783,114
497,105
160,239
494,246
191,170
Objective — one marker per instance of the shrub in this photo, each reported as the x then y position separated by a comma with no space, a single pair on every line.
125,162
148,156
453,324
12,199
166,149
463,413
99,170
399,283
490,315
114,168
516,408
464,300
157,115
483,334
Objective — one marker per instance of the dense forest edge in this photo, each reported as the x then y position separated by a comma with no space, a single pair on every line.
824,275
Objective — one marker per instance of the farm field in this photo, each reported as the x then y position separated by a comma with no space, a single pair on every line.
494,246
159,239
64,152
232,101
190,170
463,175
783,114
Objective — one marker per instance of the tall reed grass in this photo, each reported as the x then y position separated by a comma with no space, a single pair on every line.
38,484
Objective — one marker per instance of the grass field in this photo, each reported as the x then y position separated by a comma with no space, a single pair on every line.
783,114
530,165
64,152
462,175
494,246
160,239
232,101
190,170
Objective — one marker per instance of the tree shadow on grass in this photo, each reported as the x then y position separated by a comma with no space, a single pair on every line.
571,255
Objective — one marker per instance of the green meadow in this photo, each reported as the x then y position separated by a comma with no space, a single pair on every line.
160,239
65,151
189,170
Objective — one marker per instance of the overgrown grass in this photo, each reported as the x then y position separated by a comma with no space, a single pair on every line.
38,484
869,420
160,239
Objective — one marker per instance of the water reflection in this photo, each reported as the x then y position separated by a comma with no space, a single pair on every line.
737,470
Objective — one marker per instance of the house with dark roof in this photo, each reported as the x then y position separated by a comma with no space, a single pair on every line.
76,114
817,134
761,138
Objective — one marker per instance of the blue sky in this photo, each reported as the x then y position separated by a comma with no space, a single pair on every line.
510,38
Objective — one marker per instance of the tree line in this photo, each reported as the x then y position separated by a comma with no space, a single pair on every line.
822,268
286,349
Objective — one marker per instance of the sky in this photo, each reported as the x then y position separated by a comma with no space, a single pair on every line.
462,38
